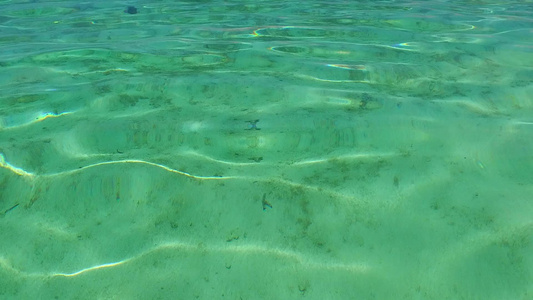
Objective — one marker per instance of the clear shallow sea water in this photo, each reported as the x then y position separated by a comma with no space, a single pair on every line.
266,150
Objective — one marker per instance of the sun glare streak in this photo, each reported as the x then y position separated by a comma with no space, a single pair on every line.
4,164
264,179
136,161
103,266
220,161
34,118
357,156
296,257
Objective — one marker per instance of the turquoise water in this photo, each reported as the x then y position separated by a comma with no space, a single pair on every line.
266,150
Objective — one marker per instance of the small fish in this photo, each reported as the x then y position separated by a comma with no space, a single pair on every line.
131,10
11,208
256,159
252,125
265,203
